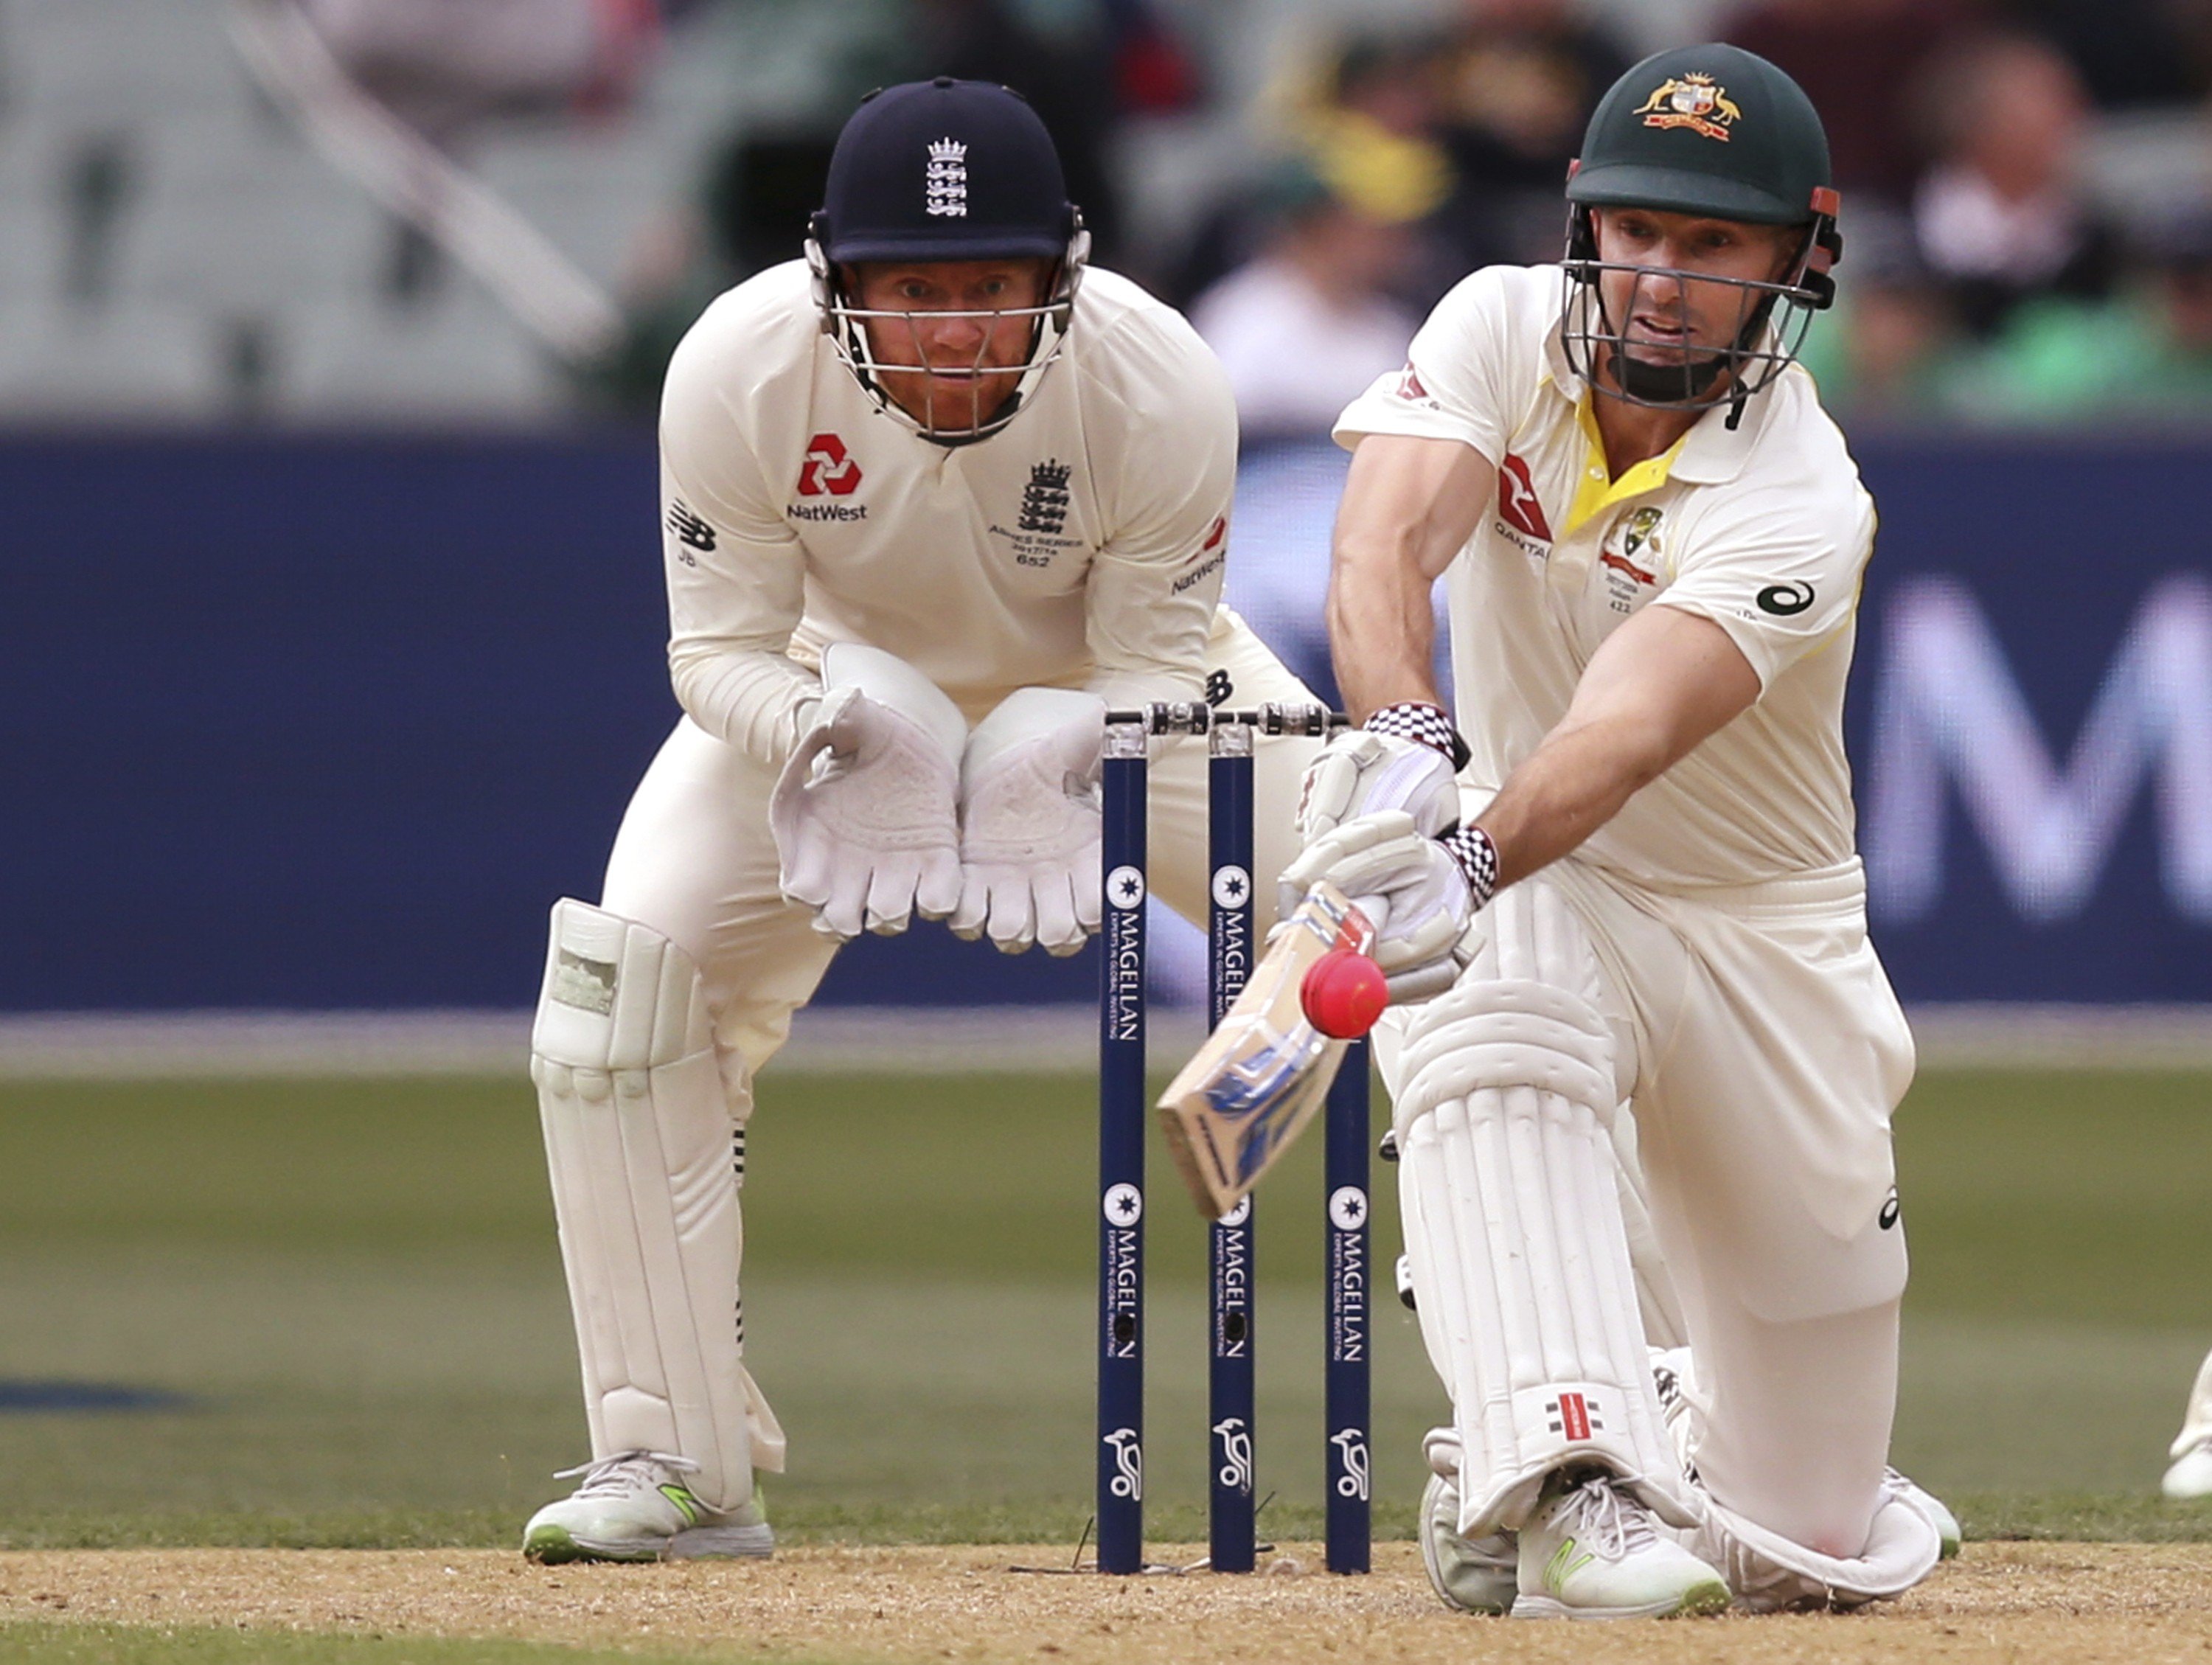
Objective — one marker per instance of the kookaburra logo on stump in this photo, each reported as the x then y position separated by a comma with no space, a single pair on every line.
945,188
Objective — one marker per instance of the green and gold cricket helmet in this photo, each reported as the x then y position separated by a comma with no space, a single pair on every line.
1719,132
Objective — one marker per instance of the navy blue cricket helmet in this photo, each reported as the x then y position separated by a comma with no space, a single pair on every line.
937,171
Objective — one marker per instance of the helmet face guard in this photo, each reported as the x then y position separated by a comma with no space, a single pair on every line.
1772,318
946,171
961,418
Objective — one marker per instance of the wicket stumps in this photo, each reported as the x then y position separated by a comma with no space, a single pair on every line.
1124,1115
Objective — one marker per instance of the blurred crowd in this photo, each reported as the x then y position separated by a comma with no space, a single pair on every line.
1993,270
1986,275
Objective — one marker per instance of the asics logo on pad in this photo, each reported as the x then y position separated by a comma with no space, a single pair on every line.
829,468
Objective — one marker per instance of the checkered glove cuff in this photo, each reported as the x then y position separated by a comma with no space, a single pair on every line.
1418,720
1478,859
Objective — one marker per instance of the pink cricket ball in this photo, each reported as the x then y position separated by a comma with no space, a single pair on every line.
1343,993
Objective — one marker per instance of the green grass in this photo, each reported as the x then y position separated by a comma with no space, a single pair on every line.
356,1283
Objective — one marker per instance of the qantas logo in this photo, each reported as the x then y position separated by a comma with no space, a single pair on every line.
1517,500
1410,388
828,468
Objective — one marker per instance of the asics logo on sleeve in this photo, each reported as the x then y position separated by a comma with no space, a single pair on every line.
828,468
1785,600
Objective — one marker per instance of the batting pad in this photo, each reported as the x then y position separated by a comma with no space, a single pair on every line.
638,1138
1512,1218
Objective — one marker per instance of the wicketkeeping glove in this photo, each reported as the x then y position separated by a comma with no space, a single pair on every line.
865,819
1029,825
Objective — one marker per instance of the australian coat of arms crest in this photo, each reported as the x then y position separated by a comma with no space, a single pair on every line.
1693,102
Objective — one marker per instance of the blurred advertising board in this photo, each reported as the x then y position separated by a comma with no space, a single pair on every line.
328,721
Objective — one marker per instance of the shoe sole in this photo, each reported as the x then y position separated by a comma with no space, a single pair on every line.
1696,1601
722,1543
555,1545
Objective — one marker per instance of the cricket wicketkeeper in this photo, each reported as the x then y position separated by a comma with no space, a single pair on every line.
1652,538
934,498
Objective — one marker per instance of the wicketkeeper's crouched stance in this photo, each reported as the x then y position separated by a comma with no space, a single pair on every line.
1653,539
934,499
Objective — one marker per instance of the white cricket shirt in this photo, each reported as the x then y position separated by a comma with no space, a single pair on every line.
1080,546
1765,531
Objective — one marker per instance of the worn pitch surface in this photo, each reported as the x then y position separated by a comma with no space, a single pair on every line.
2056,1602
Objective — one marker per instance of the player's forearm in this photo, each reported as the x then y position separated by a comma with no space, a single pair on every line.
1382,627
751,698
1409,506
1659,686
1575,781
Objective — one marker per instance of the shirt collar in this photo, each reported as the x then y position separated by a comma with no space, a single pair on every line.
1711,454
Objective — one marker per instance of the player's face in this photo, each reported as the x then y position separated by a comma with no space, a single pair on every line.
959,323
1653,289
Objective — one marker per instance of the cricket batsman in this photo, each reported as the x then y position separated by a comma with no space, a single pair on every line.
1652,538
934,500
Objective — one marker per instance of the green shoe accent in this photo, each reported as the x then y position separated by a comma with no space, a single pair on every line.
1565,1564
686,1506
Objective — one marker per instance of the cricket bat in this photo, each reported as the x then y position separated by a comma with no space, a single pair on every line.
1247,1093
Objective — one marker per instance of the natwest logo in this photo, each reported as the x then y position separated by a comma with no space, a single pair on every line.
1517,500
828,468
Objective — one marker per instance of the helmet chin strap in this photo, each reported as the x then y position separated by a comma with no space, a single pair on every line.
1665,384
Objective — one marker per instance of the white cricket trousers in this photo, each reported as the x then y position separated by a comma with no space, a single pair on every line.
1763,1051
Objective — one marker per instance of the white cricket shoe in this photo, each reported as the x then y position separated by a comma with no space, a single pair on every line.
1939,1516
2191,1476
2191,1473
634,1506
1475,1575
1590,1552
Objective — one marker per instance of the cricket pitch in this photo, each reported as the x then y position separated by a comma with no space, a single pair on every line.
2046,1601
